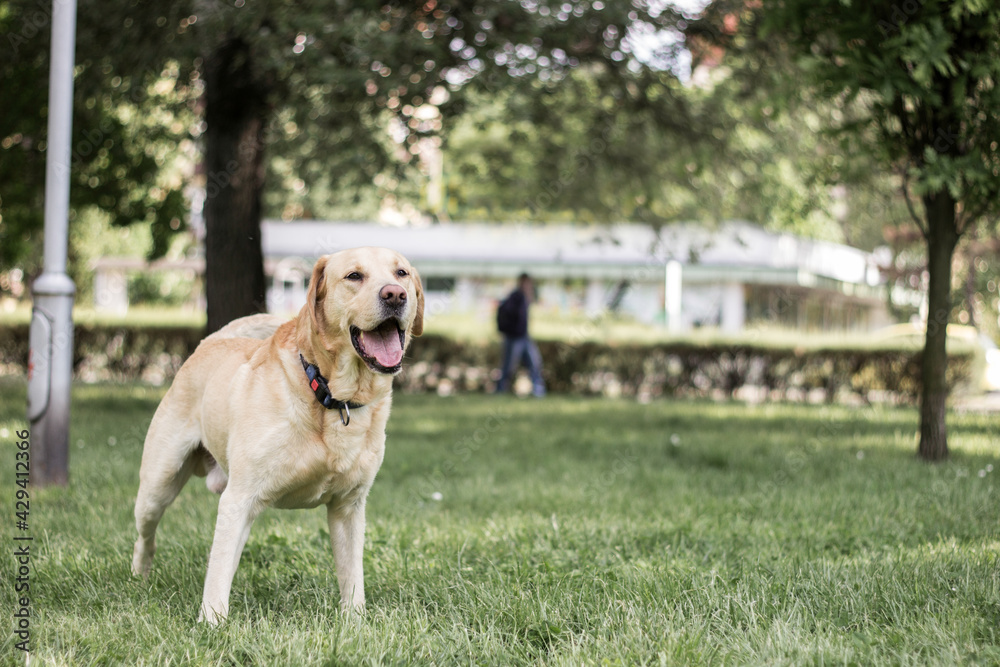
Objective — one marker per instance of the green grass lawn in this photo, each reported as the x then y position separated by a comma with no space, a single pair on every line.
562,531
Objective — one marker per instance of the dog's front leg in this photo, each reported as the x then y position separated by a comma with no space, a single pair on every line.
347,534
232,528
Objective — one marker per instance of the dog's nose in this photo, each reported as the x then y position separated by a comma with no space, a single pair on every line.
393,295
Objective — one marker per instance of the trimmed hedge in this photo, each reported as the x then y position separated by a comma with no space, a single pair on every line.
682,369
151,354
434,363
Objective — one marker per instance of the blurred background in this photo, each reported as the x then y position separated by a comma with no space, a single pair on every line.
666,171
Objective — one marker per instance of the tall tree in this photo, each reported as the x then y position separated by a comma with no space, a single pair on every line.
924,77
236,110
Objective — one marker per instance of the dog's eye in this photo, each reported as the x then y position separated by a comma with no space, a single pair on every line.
402,273
353,275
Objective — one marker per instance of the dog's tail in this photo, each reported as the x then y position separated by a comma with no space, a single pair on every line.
252,326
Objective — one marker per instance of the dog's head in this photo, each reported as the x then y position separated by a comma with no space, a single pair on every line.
371,297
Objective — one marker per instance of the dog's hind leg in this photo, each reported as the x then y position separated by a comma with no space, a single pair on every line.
167,464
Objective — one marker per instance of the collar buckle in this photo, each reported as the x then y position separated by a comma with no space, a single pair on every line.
321,389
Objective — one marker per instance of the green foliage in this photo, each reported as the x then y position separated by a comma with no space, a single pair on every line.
126,132
567,532
566,149
778,169
346,88
740,144
163,290
925,76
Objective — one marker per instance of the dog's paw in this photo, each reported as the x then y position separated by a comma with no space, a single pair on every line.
353,607
142,560
353,614
210,616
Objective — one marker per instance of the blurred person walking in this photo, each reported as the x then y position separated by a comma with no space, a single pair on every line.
512,322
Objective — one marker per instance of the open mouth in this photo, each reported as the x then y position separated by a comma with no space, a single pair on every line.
382,347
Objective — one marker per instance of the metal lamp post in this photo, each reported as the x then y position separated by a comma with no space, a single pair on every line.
50,361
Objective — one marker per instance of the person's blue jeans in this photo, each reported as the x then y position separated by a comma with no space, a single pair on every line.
515,352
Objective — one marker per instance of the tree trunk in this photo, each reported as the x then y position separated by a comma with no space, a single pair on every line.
235,110
942,237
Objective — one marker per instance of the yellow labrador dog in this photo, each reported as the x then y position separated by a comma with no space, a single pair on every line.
289,416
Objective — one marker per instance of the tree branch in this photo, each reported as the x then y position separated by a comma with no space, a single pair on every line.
909,203
967,219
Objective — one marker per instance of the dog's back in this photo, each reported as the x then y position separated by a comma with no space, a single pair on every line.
252,326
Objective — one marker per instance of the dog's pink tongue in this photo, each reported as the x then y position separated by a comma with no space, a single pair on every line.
383,344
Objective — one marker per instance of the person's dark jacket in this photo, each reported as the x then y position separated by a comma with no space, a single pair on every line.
520,328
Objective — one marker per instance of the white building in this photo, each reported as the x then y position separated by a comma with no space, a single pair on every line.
684,275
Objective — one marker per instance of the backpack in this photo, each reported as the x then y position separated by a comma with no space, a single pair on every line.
507,316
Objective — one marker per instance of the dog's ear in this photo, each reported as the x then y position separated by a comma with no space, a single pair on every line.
418,321
317,292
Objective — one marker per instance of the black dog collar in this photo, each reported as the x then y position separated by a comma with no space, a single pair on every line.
322,390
